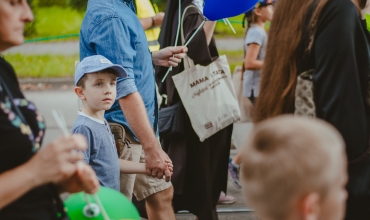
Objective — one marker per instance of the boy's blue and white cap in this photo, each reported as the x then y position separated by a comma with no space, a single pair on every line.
97,63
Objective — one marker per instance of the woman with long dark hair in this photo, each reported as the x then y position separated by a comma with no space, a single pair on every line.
330,37
201,167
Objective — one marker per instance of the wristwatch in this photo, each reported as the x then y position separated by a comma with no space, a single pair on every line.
153,21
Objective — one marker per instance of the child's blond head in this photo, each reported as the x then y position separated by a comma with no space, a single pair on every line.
286,158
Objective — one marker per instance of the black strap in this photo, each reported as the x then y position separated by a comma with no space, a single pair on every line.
16,109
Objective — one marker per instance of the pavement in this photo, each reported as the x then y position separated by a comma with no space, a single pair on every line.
63,99
72,47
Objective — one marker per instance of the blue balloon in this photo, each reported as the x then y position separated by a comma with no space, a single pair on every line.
219,9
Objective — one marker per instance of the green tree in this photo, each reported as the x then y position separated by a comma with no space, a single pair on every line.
79,5
48,3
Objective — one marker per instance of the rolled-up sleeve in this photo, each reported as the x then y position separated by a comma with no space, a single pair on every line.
113,39
125,87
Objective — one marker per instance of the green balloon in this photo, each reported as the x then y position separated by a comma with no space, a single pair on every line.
116,205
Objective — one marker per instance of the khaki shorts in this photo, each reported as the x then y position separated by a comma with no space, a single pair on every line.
140,184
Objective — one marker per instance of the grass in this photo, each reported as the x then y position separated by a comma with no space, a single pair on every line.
224,31
55,21
55,66
235,58
42,66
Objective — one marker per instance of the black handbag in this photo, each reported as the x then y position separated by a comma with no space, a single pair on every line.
171,120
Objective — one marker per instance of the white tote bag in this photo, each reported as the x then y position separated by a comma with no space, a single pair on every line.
207,93
208,96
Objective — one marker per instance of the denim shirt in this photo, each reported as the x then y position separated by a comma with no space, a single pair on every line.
112,29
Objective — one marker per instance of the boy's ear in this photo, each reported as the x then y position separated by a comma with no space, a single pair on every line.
80,93
310,207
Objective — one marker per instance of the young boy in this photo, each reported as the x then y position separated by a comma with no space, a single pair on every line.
95,80
295,169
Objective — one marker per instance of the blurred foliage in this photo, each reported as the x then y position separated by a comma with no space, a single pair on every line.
79,5
30,28
48,3
161,4
55,21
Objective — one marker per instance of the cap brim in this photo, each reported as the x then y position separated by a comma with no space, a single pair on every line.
118,68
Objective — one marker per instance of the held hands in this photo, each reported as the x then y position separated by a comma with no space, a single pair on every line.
158,164
169,56
52,164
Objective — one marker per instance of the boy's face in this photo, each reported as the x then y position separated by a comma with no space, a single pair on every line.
100,90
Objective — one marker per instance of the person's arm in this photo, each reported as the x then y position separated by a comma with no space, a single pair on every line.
254,40
50,165
117,33
150,22
136,115
250,61
129,167
209,28
338,96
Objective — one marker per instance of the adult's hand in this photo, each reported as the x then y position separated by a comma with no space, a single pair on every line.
156,165
84,179
169,56
155,158
53,163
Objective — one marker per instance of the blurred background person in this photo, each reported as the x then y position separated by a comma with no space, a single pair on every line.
32,178
255,52
151,20
200,168
329,37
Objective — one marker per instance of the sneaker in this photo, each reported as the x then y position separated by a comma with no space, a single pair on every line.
234,174
224,199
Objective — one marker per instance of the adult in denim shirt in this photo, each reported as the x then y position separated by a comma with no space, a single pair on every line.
112,29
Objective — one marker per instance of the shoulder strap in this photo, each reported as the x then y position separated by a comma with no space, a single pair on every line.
9,94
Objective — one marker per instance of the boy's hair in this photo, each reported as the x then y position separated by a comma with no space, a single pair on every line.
286,158
81,82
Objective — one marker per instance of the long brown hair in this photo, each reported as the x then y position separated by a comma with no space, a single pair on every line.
279,74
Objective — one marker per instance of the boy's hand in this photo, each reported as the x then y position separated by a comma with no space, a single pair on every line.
170,168
169,165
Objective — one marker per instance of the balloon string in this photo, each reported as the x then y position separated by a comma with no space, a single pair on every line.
176,40
229,23
103,212
191,38
187,43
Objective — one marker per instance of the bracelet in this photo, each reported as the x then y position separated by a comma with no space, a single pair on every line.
153,22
